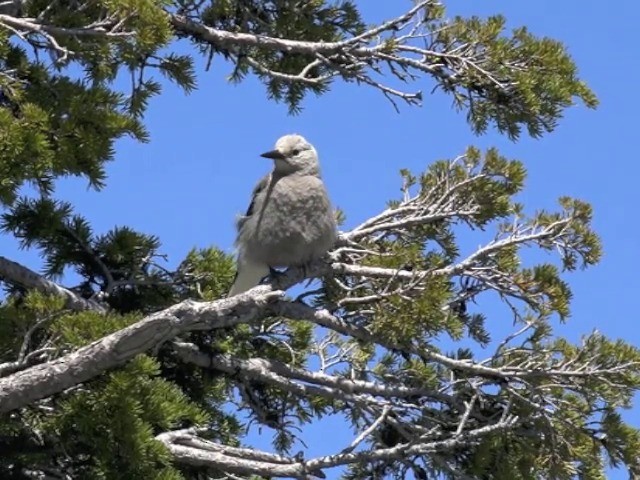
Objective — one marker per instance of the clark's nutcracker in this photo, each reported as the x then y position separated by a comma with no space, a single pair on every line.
290,221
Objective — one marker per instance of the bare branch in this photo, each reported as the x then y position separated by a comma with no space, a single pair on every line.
17,274
369,430
46,379
204,454
284,376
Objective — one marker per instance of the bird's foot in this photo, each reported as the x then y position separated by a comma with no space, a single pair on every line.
274,274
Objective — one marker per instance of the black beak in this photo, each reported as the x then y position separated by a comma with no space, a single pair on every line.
274,154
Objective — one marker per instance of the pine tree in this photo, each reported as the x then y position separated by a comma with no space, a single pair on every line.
130,372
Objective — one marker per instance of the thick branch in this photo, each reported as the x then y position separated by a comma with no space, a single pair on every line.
316,383
191,450
17,274
41,381
205,453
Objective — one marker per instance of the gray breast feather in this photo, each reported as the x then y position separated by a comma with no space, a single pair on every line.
291,222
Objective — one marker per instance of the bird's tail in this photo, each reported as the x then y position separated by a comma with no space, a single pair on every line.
248,276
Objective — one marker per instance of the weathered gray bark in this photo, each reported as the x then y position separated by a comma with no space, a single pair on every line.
20,275
41,381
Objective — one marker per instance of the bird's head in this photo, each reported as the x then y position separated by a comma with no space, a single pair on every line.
293,154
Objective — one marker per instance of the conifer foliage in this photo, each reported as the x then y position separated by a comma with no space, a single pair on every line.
141,372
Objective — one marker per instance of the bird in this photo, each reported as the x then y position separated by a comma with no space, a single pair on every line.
290,220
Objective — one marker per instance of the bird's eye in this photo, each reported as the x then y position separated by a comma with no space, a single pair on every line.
296,151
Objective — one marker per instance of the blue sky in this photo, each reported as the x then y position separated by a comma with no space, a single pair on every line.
187,185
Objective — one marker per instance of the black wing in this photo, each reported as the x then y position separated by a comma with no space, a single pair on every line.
262,184
260,187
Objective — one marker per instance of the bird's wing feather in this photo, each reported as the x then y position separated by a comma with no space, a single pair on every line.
262,184
259,188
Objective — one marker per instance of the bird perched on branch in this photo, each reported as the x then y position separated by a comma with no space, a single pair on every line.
290,221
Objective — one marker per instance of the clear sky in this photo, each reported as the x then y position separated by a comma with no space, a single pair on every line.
187,185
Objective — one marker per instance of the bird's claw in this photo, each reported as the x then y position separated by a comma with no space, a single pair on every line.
274,274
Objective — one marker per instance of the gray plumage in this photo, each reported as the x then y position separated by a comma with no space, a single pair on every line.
290,221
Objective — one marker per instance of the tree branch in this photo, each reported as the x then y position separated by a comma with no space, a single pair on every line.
41,381
189,449
316,383
20,275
